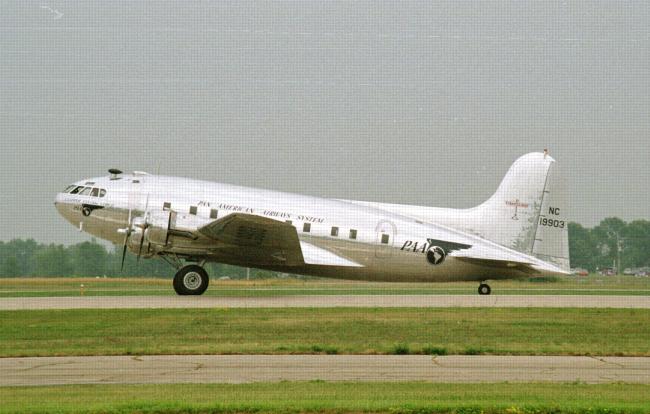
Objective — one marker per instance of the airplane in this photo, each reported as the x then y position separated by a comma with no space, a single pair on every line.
521,231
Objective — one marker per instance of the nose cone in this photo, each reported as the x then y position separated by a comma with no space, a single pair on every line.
58,199
59,204
65,208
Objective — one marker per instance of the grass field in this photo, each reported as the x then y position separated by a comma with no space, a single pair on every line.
514,331
592,285
330,397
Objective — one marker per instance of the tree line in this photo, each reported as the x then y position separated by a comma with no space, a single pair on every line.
612,243
20,258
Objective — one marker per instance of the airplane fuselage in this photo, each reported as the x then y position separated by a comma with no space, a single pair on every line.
387,246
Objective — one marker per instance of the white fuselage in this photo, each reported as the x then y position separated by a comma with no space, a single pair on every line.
388,246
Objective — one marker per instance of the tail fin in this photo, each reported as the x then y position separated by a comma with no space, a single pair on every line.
528,211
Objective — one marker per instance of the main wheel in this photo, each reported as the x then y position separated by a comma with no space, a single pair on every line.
484,289
191,280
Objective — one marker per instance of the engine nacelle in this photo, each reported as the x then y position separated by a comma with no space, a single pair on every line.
157,228
151,232
436,255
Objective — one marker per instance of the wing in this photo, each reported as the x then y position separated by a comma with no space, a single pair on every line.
264,241
261,240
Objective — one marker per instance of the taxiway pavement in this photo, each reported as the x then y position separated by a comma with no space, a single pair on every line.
327,301
254,368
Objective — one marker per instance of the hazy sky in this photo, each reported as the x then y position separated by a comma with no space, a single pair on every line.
421,102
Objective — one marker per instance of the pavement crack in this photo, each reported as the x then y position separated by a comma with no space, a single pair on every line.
604,361
50,364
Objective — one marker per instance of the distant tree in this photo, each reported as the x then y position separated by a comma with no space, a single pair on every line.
582,247
89,258
636,244
10,267
53,260
609,238
22,252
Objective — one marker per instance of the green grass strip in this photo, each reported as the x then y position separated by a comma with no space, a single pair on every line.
330,397
500,331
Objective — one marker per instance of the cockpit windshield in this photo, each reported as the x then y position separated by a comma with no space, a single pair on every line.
85,191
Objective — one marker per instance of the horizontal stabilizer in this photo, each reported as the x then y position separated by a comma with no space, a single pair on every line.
489,257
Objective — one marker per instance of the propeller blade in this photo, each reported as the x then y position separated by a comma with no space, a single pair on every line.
126,240
144,227
141,243
123,256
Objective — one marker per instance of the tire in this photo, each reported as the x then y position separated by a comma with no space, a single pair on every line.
484,289
191,280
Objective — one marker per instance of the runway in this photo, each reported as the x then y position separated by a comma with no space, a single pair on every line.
256,368
327,301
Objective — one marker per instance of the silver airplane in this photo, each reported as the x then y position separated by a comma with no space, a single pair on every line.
521,231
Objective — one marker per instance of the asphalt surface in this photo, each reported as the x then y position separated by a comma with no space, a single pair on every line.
255,368
327,301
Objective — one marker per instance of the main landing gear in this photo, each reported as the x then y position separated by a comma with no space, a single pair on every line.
191,280
484,289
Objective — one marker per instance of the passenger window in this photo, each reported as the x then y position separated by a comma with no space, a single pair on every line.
334,232
85,191
102,192
214,213
385,238
306,227
193,210
353,234
94,192
167,205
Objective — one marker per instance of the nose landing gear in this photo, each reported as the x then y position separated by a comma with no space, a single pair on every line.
191,280
484,289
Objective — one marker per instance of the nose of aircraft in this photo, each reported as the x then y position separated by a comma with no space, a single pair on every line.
65,208
58,202
58,199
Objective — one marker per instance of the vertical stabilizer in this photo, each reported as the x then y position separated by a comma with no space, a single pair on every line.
528,211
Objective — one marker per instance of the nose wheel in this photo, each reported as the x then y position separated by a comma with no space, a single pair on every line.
484,289
191,280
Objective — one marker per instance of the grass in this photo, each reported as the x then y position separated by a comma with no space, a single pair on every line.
592,285
330,397
499,331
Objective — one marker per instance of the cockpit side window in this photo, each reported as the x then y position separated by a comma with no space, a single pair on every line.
69,188
85,191
102,192
94,192
77,189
